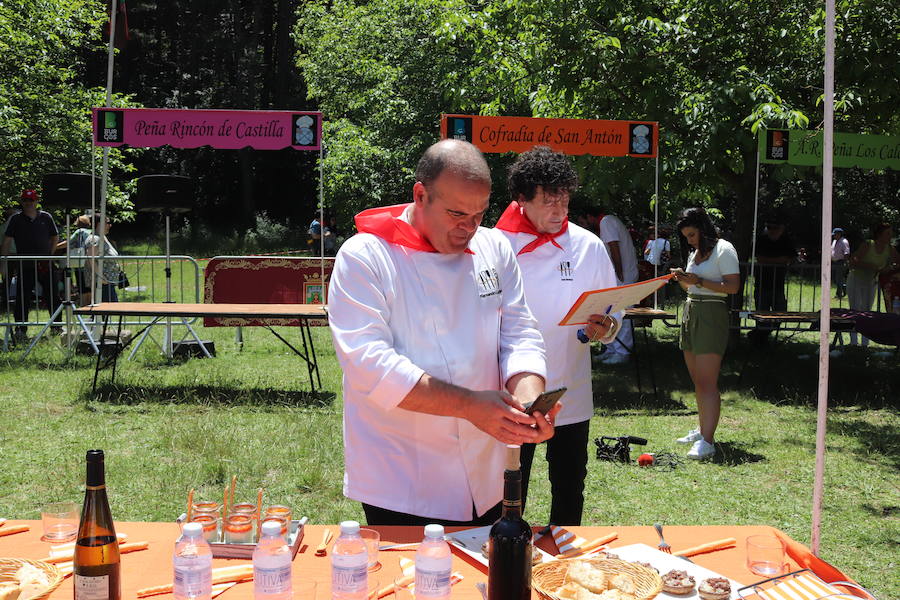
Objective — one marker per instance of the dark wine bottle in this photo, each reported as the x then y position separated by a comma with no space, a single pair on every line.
510,543
96,564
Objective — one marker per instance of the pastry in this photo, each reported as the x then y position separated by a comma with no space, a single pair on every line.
588,577
584,594
715,588
678,583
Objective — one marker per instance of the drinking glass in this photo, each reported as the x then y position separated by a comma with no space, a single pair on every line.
765,555
60,521
239,529
372,539
210,523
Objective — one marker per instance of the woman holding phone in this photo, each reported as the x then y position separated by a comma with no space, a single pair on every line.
711,274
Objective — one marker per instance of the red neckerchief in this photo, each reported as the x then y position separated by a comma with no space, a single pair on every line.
386,224
515,220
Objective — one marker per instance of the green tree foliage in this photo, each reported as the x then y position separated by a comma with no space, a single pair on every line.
45,106
228,54
711,73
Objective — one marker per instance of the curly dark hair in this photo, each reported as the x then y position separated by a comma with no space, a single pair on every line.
543,167
697,217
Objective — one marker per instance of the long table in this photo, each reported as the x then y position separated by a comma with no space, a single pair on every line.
154,566
158,311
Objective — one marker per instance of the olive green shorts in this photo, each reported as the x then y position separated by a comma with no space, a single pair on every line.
704,326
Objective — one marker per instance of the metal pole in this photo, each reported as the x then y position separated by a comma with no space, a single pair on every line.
321,220
110,60
755,218
825,310
656,226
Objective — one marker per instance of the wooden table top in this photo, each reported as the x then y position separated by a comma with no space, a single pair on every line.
176,309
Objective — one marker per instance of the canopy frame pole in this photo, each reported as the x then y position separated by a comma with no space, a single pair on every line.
656,227
104,182
825,309
755,223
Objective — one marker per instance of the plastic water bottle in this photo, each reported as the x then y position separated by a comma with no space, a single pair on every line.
434,564
193,564
272,565
349,564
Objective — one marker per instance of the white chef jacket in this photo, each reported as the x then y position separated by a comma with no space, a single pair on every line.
396,313
554,278
612,229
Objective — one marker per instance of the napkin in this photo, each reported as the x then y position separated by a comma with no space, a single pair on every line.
803,557
804,585
570,544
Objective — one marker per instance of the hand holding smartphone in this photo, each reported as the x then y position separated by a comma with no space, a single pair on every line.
546,401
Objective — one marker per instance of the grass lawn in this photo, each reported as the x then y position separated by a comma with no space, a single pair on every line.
169,427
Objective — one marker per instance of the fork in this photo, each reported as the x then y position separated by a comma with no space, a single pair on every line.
663,546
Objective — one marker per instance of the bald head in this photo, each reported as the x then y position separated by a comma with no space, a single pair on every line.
455,156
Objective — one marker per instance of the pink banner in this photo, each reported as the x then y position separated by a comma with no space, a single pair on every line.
226,129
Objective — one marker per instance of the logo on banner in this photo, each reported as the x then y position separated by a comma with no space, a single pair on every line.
777,145
488,283
640,139
304,129
110,126
566,273
459,128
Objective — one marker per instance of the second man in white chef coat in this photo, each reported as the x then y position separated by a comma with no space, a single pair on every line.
559,261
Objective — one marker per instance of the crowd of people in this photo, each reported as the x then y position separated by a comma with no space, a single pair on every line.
446,330
31,232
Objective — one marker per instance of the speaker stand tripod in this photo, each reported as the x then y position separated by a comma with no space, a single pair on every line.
67,307
167,346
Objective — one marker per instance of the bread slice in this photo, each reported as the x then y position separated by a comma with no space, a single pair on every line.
9,591
623,583
588,577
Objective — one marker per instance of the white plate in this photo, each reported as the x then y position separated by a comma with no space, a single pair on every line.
471,540
666,562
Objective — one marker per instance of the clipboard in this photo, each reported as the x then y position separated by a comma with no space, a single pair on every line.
611,300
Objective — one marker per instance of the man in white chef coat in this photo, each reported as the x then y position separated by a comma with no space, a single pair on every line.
559,261
438,348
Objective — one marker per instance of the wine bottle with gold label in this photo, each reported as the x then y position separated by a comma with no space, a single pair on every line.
96,565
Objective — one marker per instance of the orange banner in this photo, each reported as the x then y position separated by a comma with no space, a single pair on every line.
570,136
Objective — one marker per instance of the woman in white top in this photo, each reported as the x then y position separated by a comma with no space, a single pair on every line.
711,274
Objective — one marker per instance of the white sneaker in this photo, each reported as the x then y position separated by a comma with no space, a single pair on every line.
701,450
692,436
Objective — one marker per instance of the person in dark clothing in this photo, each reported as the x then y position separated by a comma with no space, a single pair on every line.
35,234
774,252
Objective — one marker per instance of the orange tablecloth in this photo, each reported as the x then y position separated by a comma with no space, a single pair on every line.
154,566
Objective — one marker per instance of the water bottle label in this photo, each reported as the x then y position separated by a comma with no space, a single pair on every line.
349,580
192,582
92,588
432,584
276,580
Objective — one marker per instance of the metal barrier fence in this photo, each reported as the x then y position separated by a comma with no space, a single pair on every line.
34,287
794,287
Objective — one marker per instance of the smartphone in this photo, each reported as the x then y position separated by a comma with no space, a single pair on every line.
545,401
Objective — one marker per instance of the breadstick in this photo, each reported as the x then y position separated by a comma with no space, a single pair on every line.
717,545
70,554
231,493
588,547
12,530
190,506
389,589
245,574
